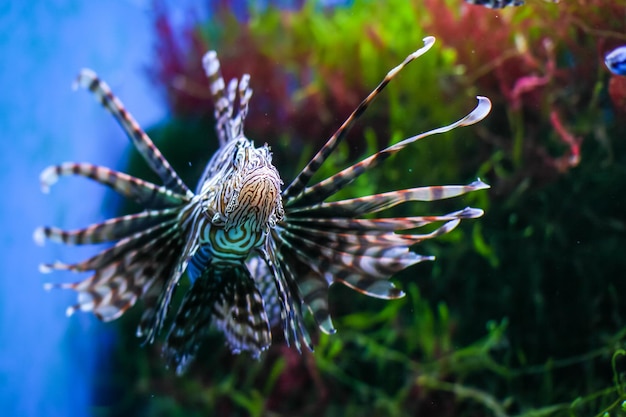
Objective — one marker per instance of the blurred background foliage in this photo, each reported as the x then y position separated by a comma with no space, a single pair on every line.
521,314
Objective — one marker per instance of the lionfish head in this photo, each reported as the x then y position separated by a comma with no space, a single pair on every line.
256,203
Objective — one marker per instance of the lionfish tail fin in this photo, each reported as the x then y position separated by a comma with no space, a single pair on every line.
226,296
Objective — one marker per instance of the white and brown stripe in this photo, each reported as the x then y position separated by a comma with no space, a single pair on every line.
143,192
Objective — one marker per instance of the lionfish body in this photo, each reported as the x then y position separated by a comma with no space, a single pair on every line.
256,254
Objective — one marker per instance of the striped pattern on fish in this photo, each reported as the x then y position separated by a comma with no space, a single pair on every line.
257,255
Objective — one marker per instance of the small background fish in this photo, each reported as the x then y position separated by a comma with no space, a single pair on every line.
615,60
496,4
500,4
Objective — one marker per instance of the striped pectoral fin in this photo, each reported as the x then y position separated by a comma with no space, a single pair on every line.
125,272
144,192
107,231
376,288
264,281
365,269
122,251
169,259
117,285
106,300
370,275
225,295
90,80
357,241
289,299
356,226
158,303
324,189
360,206
303,178
314,290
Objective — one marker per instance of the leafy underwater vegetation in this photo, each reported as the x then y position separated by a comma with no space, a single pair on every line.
521,314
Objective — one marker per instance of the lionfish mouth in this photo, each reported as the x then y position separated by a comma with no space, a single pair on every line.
246,280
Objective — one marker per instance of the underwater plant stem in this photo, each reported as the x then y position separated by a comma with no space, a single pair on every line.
464,392
615,403
490,66
616,381
596,32
559,363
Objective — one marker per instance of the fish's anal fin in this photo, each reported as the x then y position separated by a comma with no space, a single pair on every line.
224,295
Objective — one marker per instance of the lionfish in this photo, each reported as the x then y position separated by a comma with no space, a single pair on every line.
257,254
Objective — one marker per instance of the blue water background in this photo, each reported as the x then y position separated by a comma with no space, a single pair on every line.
47,361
